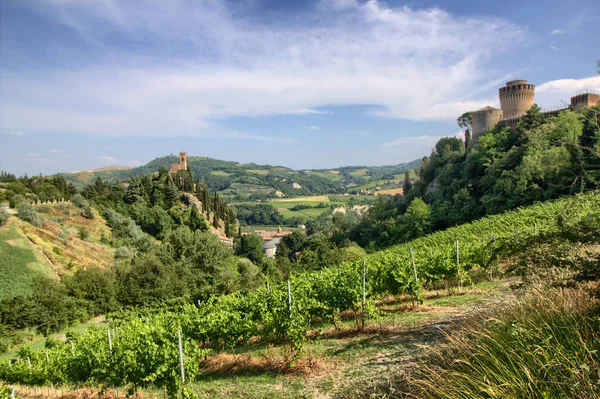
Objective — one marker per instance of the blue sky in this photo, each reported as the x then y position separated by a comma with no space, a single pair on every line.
304,84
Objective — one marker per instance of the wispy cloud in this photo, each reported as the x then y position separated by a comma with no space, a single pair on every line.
312,127
420,144
16,133
557,32
554,48
410,62
134,163
108,159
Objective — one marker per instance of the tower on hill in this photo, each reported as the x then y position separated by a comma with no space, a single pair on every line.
484,119
516,98
182,165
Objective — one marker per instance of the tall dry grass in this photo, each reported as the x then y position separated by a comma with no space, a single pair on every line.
544,344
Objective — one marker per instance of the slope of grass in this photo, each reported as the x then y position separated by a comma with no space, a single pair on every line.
20,263
545,344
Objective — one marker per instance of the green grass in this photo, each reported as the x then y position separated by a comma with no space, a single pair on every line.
220,173
543,344
313,199
38,341
20,263
326,175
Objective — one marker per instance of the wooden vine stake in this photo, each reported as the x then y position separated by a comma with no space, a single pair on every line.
364,293
491,253
109,343
412,258
289,297
458,263
180,357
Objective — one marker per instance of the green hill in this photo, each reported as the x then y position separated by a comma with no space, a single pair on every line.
240,182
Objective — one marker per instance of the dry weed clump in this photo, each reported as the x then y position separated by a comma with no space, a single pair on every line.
269,362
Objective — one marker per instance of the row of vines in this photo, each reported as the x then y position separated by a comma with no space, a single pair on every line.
145,349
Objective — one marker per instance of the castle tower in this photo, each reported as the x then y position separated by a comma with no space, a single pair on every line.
584,100
182,161
484,119
516,98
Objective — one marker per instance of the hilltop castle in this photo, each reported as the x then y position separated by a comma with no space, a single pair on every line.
181,165
516,98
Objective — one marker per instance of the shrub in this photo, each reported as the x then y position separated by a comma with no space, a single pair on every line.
4,215
79,201
44,208
122,253
83,233
87,213
27,212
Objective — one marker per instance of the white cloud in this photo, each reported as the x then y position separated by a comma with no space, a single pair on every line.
419,144
134,163
415,64
557,32
313,127
554,48
558,93
16,134
55,151
107,159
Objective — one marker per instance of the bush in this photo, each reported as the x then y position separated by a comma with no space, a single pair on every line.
79,201
87,213
44,208
27,212
83,233
123,253
4,215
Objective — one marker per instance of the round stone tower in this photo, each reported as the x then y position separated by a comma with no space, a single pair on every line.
516,98
484,119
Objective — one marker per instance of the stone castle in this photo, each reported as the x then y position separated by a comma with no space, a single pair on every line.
516,98
181,165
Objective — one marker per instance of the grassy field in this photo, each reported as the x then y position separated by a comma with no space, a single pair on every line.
262,172
20,263
359,172
314,198
219,173
56,248
326,175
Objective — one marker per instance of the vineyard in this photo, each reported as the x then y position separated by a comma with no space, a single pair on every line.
164,349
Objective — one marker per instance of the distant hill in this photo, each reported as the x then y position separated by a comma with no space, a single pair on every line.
238,181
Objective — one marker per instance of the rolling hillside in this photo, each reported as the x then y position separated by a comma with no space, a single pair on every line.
65,243
240,182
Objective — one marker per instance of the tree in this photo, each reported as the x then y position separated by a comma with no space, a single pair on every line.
251,247
416,219
407,187
465,121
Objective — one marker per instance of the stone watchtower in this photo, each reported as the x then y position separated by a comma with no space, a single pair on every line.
182,161
483,120
516,98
